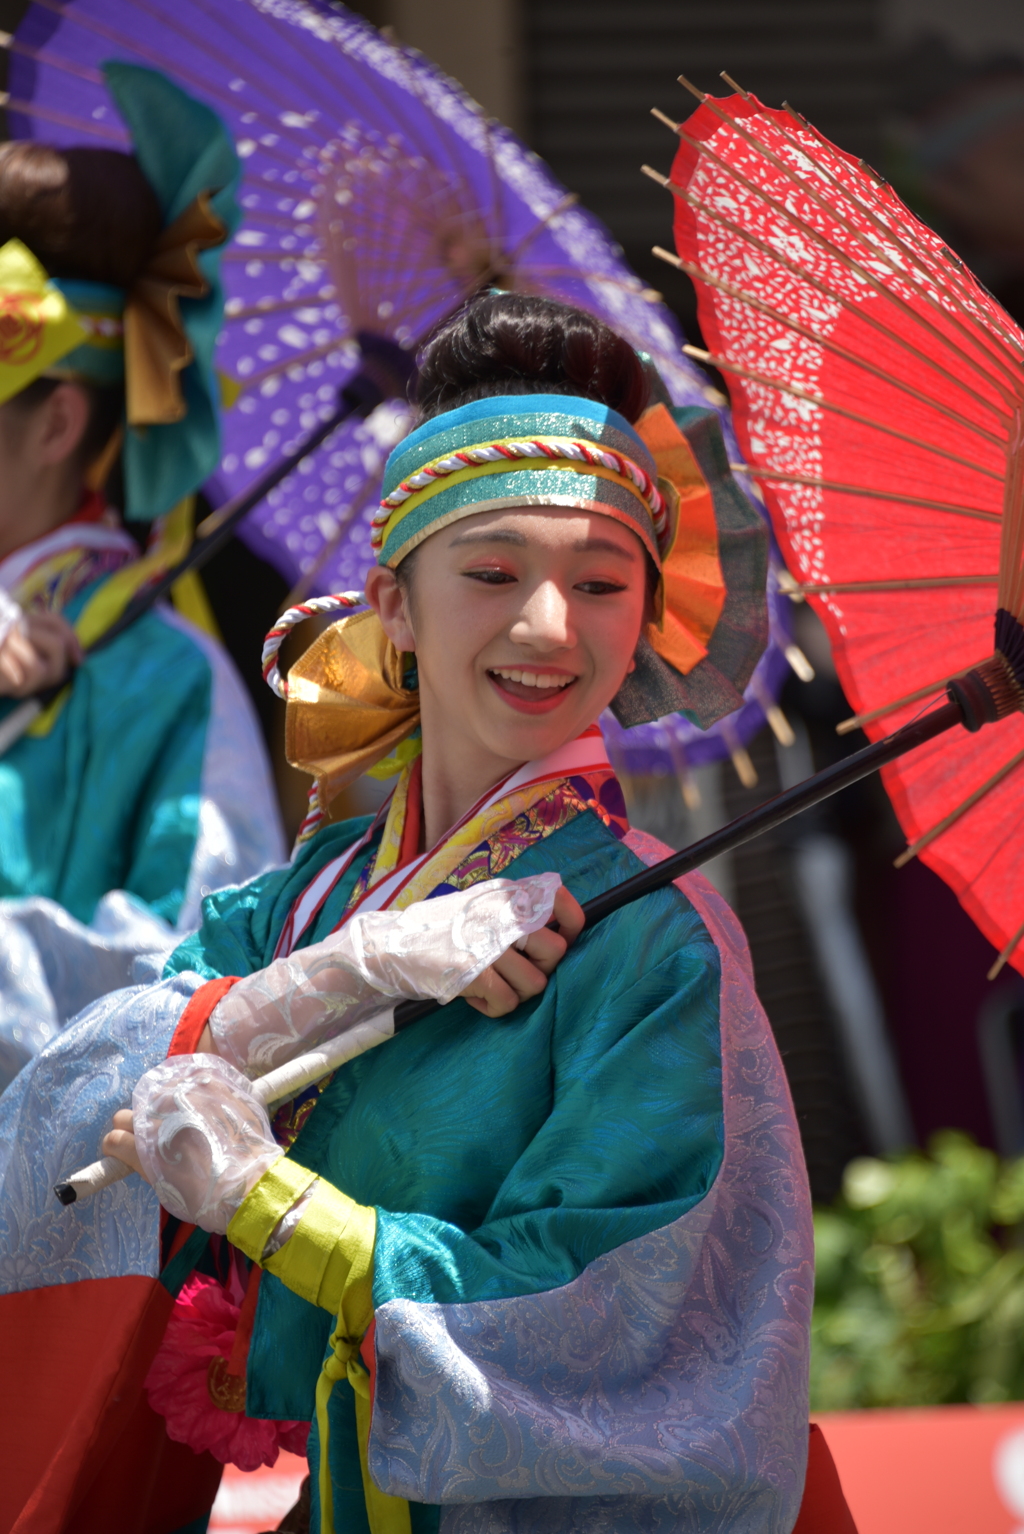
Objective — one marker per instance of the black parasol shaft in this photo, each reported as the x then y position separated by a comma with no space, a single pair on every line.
764,818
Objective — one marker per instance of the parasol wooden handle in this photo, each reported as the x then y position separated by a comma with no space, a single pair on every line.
277,1086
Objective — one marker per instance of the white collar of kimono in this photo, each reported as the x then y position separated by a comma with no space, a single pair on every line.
583,754
72,535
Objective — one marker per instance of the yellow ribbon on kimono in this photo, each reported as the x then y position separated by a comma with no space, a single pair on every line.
328,1260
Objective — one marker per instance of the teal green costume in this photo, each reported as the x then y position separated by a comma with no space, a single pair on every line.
502,1156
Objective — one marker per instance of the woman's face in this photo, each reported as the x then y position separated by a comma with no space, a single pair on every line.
524,624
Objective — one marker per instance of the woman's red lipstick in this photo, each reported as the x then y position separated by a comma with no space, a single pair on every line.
528,699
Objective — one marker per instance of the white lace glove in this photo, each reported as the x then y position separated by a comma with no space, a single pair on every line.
11,615
432,949
202,1137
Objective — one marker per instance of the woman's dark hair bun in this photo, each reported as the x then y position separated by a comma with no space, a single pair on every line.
514,343
86,213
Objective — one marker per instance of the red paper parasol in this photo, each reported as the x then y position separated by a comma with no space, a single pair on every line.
876,390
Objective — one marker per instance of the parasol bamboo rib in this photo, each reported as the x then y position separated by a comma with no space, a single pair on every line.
1004,389
978,338
64,120
914,583
807,277
827,404
649,295
967,293
285,305
304,585
961,809
51,60
199,82
828,344
260,217
338,345
1004,957
823,241
568,201
800,226
261,253
845,726
304,82
1011,550
94,77
875,494
928,282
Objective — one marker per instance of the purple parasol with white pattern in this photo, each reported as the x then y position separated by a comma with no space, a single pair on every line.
377,196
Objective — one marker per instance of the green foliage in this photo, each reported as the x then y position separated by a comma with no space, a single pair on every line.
920,1281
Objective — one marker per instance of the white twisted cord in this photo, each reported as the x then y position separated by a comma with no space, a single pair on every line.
288,620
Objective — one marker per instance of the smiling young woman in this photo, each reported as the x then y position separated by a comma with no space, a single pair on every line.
523,623
558,1264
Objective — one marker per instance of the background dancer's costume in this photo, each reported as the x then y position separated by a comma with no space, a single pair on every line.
556,1271
147,776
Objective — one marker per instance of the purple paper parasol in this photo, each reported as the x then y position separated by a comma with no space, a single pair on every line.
349,143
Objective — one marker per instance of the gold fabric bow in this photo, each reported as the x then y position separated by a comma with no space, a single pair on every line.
347,707
156,348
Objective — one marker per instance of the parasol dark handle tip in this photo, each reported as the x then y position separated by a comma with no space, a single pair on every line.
986,693
66,1193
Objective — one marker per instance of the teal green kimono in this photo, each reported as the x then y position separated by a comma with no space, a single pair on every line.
506,1160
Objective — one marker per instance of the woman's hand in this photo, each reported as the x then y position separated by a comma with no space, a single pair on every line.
120,1141
37,652
521,973
198,1134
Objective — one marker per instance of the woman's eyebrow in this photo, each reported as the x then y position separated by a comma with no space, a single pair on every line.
485,535
509,535
603,546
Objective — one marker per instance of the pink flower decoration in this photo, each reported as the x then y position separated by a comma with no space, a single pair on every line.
189,1385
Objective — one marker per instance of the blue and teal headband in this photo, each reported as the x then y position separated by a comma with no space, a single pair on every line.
518,450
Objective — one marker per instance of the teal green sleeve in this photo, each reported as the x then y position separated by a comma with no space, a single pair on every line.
241,924
109,798
167,823
634,1137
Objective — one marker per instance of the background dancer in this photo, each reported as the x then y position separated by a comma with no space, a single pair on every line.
147,776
